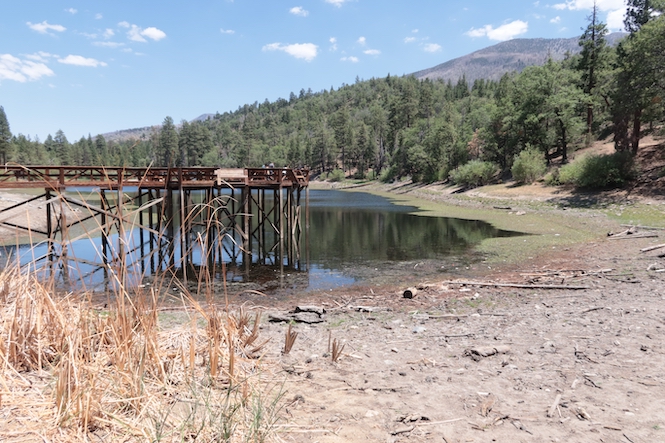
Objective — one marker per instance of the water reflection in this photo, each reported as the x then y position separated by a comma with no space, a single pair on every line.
356,232
351,237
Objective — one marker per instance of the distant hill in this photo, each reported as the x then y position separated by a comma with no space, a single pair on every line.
512,55
129,134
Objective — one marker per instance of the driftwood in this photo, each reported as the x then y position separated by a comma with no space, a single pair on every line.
648,228
516,285
623,237
651,248
550,413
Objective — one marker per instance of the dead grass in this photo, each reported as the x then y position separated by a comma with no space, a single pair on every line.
70,371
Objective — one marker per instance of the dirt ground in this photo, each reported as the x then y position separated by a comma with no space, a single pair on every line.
467,363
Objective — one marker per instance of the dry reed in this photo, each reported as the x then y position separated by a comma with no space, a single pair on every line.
68,369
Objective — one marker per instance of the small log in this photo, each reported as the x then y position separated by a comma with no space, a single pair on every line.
651,248
617,237
516,285
648,228
410,293
550,413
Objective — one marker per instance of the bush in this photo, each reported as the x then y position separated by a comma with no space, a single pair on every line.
599,171
388,175
528,166
336,175
474,173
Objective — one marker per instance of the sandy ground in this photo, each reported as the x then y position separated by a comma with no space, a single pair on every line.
465,363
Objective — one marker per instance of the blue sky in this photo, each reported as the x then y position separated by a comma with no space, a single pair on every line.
90,67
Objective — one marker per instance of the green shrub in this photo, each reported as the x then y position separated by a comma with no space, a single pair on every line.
599,171
528,166
474,173
388,174
336,175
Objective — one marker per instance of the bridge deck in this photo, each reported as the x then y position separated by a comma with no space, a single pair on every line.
58,177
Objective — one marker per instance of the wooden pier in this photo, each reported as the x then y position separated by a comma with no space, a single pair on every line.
250,216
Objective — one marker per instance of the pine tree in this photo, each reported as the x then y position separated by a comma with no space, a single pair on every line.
592,60
168,144
5,137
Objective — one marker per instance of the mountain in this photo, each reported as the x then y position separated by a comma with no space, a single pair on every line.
512,55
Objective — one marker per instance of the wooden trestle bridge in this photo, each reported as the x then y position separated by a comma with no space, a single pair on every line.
183,219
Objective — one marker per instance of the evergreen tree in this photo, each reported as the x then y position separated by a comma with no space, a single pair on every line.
592,60
5,137
168,144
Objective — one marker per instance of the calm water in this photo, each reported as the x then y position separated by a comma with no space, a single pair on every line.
353,237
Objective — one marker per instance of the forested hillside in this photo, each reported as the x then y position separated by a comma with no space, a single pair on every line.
402,126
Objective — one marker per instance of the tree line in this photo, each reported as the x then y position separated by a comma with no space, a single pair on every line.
401,126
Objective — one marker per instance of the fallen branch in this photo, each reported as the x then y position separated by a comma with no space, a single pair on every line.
550,413
651,248
622,237
648,228
516,285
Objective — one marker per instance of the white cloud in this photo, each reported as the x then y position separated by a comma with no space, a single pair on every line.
372,52
298,10
351,59
362,41
415,31
410,39
227,31
44,27
98,16
40,56
305,51
71,10
138,34
502,33
603,5
79,60
432,47
556,19
615,20
337,3
108,33
333,44
108,44
13,68
154,33
124,24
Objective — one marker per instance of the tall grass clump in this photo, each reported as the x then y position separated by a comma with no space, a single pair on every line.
599,171
474,173
528,166
71,369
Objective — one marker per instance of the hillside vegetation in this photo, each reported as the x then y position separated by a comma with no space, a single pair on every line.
427,129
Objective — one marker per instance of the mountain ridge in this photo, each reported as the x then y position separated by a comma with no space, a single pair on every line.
492,62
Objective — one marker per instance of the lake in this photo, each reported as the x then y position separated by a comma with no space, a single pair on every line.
351,237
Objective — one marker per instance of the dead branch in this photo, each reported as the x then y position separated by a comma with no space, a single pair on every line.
550,413
515,285
651,248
